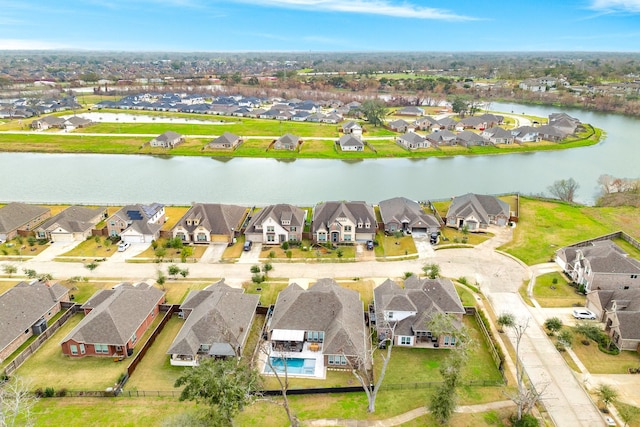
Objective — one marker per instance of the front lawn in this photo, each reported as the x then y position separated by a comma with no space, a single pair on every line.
48,367
598,362
93,247
23,246
558,294
171,254
307,252
453,236
394,245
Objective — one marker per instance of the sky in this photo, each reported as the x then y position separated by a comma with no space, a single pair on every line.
321,25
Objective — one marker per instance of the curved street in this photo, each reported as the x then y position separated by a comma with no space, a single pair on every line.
497,275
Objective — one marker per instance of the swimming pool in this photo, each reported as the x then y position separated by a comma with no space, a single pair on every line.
294,366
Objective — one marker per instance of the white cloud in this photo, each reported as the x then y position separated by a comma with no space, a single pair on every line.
616,5
373,7
24,44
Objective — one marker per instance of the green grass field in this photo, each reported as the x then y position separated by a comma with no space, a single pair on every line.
559,294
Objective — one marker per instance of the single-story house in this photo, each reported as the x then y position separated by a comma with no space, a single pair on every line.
17,216
404,215
25,310
115,319
349,142
210,222
48,122
287,142
427,123
550,133
77,122
73,223
276,224
477,212
406,312
400,125
352,127
227,140
343,222
137,223
497,135
442,137
466,138
447,123
217,321
412,140
526,134
324,323
168,139
410,111
599,265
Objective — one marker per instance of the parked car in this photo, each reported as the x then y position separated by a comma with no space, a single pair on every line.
583,313
433,238
610,421
370,245
123,246
247,246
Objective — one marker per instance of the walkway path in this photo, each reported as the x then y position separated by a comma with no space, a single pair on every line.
406,417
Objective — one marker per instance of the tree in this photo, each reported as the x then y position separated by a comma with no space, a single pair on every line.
9,269
432,270
606,395
460,105
506,320
374,110
564,189
553,324
160,252
184,273
282,376
340,253
31,241
225,385
91,266
255,269
267,267
185,253
16,404
628,413
173,270
565,337
161,279
31,274
45,277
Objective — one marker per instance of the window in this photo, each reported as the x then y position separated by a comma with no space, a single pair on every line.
204,348
293,228
101,348
113,223
271,238
202,237
634,276
322,237
390,315
271,229
74,349
42,235
446,340
347,228
82,349
337,360
315,336
359,225
367,225
134,338
347,237
405,340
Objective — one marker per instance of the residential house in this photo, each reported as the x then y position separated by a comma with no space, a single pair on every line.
168,139
352,128
406,216
497,135
343,222
405,313
447,123
524,134
115,319
48,122
25,310
77,122
412,140
137,223
410,111
550,133
350,142
599,265
324,323
276,224
443,137
427,123
332,118
210,222
467,138
619,309
225,141
471,122
287,142
492,119
477,211
400,125
17,216
533,85
601,302
73,223
217,321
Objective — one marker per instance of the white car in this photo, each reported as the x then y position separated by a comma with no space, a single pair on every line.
610,421
583,313
123,246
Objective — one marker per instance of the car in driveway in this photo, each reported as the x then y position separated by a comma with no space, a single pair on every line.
370,245
247,246
123,246
583,313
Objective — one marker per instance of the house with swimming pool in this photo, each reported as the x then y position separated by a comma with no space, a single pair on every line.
316,329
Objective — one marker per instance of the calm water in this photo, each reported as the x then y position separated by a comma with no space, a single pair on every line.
118,179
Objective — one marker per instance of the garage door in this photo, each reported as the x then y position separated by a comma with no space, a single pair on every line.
62,237
133,239
502,222
419,232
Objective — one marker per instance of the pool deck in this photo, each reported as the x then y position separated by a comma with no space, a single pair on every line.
320,371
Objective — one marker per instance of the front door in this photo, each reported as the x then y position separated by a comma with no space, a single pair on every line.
335,236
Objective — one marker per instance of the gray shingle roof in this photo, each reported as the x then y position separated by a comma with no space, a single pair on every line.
25,304
217,218
294,215
219,316
116,314
403,210
74,219
349,140
226,138
482,205
14,215
327,307
358,212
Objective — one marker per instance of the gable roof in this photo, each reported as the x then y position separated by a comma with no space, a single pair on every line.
227,138
326,213
402,210
327,307
116,314
168,136
288,139
218,315
217,218
74,219
294,215
624,299
25,304
412,138
349,140
15,214
483,206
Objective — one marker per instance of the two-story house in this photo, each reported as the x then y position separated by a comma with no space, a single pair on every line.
276,224
343,222
210,222
137,223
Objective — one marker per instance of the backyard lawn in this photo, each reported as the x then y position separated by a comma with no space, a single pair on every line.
173,214
48,367
5,285
268,291
558,294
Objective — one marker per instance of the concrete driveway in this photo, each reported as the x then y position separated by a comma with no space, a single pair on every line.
252,256
213,253
56,249
425,250
133,250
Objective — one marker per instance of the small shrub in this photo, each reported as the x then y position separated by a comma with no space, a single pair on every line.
255,269
456,240
285,245
560,347
257,278
554,281
585,342
61,393
463,280
465,239
38,393
407,274
527,420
